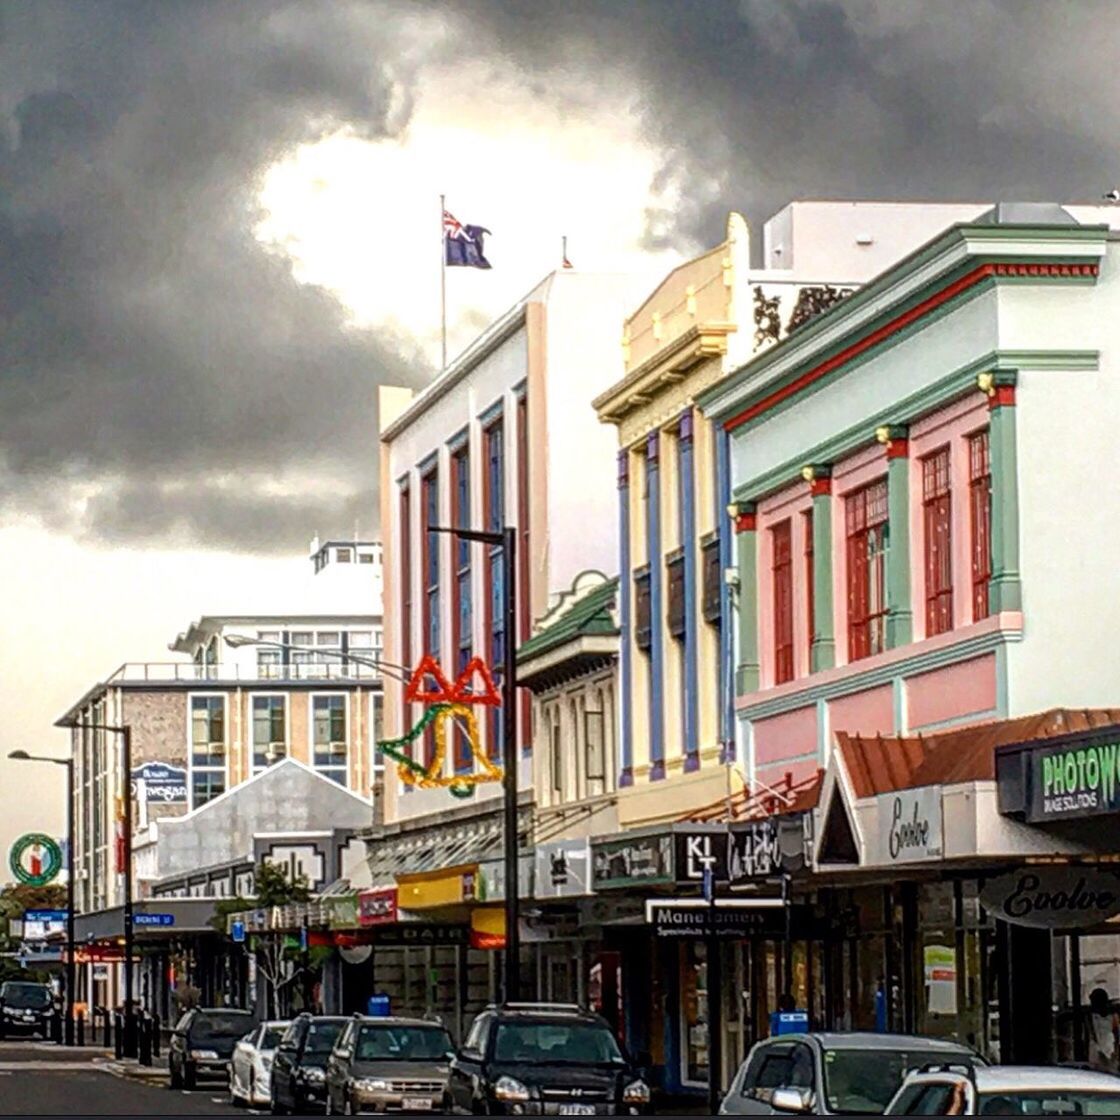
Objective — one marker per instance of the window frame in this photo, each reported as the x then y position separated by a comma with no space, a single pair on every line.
676,605
285,744
211,771
781,588
643,609
980,523
809,562
711,580
867,524
329,770
937,540
462,590
493,514
404,521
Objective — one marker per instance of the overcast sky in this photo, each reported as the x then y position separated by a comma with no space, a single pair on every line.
219,234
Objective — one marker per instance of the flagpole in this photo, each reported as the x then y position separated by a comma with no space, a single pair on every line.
442,282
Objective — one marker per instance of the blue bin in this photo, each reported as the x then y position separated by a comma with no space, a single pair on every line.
789,1022
378,1006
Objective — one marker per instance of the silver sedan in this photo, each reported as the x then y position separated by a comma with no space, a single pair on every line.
250,1068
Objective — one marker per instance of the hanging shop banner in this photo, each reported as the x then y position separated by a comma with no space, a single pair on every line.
1074,781
634,861
697,850
562,869
1056,897
430,889
491,880
766,848
910,825
488,928
675,917
160,782
377,907
343,912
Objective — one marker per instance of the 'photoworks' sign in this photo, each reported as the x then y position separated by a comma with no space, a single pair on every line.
1074,781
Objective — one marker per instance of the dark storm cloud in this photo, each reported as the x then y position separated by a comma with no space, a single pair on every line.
759,102
146,339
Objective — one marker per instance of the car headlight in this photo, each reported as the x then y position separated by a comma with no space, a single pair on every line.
510,1089
371,1084
204,1055
314,1073
637,1092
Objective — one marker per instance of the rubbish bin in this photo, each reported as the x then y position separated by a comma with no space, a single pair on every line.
378,1006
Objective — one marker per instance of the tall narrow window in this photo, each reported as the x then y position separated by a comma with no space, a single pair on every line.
429,551
782,571
810,624
208,748
328,719
556,763
270,730
405,546
980,518
525,599
867,533
937,526
462,618
494,517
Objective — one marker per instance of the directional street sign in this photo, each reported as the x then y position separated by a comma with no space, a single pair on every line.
153,919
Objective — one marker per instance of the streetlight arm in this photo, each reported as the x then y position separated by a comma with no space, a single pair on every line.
23,756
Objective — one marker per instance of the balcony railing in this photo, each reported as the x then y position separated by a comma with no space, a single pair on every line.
188,672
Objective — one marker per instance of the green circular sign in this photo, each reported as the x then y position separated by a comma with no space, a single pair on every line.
46,859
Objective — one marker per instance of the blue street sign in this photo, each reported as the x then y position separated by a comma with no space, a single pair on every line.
153,919
303,937
709,883
237,931
44,916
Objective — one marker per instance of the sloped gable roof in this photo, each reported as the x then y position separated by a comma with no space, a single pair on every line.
590,615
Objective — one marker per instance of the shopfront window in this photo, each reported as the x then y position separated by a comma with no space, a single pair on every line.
694,1012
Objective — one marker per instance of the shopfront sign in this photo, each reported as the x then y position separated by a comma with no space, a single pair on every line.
377,907
697,851
38,925
562,869
421,933
639,861
159,783
343,912
142,919
910,825
490,882
1074,781
1058,897
733,918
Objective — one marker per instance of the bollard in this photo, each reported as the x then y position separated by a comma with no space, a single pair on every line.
118,1035
81,1025
155,1036
56,1028
144,1042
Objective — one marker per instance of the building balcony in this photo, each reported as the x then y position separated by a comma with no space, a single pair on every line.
189,672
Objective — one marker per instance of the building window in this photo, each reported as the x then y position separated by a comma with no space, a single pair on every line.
781,568
556,763
867,533
365,557
208,748
810,580
462,616
328,718
270,730
493,516
524,605
595,745
405,551
269,661
302,655
980,517
675,586
937,525
344,556
643,629
712,578
377,725
429,562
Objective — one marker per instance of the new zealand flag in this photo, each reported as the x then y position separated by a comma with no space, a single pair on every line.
463,244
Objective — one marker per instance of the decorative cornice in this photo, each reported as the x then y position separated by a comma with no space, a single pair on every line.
819,478
744,516
895,439
999,386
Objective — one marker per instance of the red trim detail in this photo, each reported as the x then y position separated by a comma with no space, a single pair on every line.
898,448
746,523
1002,396
981,272
820,487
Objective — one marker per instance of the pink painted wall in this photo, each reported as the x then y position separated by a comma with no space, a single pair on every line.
775,776
788,504
950,427
870,712
785,736
967,688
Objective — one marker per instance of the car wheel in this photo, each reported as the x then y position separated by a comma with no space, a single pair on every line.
276,1108
175,1081
190,1076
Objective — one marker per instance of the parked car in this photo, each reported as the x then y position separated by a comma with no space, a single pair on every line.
827,1074
299,1074
26,1008
388,1065
1007,1091
202,1043
544,1059
250,1066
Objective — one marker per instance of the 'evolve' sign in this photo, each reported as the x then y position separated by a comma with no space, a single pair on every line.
1053,897
910,825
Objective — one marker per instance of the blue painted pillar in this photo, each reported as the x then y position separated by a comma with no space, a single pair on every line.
625,610
656,609
687,500
726,623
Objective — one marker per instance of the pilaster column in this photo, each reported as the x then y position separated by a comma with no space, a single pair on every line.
656,608
900,627
625,591
686,495
1005,593
746,541
822,653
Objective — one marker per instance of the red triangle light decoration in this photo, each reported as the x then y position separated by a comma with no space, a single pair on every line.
418,691
463,693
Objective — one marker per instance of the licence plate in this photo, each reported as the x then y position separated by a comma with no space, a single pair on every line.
577,1110
416,1104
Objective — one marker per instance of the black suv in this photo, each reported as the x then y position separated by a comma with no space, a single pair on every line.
25,1007
537,1059
202,1043
299,1074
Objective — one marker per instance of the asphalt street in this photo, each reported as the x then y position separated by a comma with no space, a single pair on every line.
46,1080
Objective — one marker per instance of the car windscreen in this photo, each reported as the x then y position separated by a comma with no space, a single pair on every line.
220,1024
272,1036
394,1043
1049,1102
34,996
321,1037
863,1081
552,1042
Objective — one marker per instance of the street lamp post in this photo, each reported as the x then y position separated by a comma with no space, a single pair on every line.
506,540
23,756
125,732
